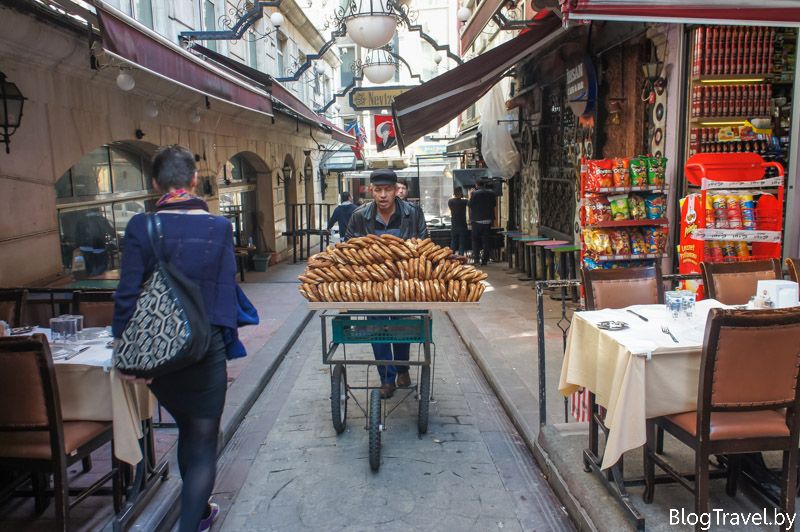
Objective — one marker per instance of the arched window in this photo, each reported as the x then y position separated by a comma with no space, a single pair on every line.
237,198
95,200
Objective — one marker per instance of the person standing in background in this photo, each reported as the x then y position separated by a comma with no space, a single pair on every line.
341,214
459,232
482,204
402,190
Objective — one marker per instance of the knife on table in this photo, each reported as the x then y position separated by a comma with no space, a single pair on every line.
637,314
76,353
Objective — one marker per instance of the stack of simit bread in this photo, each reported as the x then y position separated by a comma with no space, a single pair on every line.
389,269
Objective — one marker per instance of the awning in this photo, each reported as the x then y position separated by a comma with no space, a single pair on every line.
764,13
341,161
287,102
129,41
467,140
428,107
484,13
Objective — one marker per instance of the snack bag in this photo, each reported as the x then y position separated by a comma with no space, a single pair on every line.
655,239
656,168
748,205
599,174
622,172
638,169
598,209
597,241
656,206
590,263
620,243
637,207
638,246
619,207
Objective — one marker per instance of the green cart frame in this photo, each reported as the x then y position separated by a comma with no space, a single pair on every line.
372,327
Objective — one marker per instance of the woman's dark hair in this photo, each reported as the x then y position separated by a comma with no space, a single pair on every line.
173,167
344,196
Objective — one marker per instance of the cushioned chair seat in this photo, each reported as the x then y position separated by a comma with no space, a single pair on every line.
36,445
737,425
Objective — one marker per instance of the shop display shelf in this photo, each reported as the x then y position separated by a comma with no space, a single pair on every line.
716,79
737,235
708,120
641,256
660,189
629,223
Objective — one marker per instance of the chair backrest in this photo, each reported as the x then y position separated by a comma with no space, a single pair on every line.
96,307
29,399
751,361
734,283
12,303
622,287
794,269
43,304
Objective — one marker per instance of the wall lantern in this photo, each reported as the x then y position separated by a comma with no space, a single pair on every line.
12,101
371,23
285,175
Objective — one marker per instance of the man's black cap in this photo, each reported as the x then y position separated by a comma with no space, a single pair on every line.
383,176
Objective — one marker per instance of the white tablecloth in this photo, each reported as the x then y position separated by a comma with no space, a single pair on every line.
636,373
91,391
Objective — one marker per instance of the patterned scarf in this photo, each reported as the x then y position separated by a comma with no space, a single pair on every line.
181,199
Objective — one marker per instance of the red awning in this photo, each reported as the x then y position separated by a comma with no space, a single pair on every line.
133,43
428,107
764,13
286,101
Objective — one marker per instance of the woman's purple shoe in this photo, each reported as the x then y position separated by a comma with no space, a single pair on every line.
206,522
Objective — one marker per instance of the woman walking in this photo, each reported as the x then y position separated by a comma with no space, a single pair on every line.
200,246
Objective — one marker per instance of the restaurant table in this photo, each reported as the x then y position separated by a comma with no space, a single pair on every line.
635,373
90,390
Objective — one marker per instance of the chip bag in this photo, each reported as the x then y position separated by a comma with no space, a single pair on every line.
620,242
622,173
656,168
655,205
598,209
599,174
619,207
636,205
638,168
638,246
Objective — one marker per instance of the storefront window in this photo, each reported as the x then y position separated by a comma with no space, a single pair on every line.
126,171
92,175
240,209
88,239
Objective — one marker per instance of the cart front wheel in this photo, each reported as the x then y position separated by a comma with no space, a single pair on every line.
339,398
424,396
375,429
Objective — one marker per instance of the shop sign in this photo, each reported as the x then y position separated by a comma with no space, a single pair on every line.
362,99
582,87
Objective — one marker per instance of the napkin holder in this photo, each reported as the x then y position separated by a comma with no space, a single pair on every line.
783,294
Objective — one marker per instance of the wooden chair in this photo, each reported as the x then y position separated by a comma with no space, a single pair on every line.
734,283
745,403
12,304
794,269
33,437
96,307
622,287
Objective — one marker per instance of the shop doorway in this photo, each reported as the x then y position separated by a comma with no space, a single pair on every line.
238,198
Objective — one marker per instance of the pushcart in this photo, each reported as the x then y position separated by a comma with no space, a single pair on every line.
371,323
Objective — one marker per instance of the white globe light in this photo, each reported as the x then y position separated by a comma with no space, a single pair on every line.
371,31
464,14
276,19
319,68
125,81
194,116
151,108
437,58
336,107
380,73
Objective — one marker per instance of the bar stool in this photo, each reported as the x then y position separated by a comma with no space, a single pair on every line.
528,265
547,247
567,257
538,275
509,247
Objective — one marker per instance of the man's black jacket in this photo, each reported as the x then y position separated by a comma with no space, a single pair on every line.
412,222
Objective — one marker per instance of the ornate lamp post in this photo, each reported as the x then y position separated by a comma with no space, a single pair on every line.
12,101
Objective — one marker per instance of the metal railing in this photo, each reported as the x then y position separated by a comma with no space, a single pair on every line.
307,220
563,322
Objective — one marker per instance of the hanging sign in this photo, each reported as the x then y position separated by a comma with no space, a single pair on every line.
365,98
582,87
384,132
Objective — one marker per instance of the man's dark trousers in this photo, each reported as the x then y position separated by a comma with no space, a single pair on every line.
481,237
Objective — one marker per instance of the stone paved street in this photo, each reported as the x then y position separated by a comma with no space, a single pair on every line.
286,469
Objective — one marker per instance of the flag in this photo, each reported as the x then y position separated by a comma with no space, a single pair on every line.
385,137
355,129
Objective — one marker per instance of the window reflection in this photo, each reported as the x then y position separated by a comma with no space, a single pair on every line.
92,174
88,239
126,170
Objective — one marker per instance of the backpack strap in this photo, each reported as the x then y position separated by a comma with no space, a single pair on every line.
154,233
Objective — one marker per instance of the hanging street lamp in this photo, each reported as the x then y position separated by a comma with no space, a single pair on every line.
12,102
371,23
379,66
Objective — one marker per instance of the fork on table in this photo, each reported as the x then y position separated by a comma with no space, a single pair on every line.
666,330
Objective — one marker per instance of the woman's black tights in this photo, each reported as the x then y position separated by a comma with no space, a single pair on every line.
197,459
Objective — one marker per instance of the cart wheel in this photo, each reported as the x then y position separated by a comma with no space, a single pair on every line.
339,398
424,396
375,429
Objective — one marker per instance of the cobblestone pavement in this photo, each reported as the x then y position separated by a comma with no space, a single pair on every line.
286,469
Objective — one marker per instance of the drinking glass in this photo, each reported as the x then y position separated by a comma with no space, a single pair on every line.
63,329
688,304
674,301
